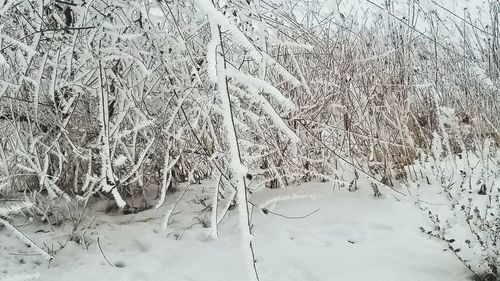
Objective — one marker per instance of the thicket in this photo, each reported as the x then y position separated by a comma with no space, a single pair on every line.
125,100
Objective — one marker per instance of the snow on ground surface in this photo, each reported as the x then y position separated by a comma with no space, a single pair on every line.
352,236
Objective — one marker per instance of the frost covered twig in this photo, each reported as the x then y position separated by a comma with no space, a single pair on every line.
166,218
17,232
102,252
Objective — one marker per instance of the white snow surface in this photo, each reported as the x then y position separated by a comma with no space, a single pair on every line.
353,237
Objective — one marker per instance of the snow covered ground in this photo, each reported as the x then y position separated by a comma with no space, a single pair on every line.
352,236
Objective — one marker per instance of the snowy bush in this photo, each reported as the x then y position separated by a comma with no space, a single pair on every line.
125,100
461,195
119,98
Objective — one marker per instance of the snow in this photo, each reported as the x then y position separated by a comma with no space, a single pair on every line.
451,195
28,49
219,19
166,178
14,208
254,95
236,167
255,85
3,61
352,236
156,12
22,277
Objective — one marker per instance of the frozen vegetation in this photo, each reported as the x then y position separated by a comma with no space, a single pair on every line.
249,140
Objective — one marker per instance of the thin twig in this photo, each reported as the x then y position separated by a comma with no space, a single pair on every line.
103,255
267,211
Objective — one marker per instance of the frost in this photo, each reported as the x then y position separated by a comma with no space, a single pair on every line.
156,12
271,112
3,61
120,160
284,198
481,75
295,45
211,60
28,49
118,198
217,18
255,85
14,209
